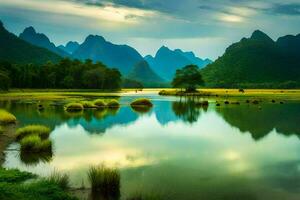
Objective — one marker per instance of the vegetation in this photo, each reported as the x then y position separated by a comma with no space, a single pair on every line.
129,83
71,107
6,117
87,104
42,132
62,180
141,102
33,143
113,104
99,103
188,78
104,180
14,175
1,130
144,197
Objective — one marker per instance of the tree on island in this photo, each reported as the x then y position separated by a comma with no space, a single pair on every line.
188,78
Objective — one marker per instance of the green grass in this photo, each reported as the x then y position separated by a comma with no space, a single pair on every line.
14,176
88,104
71,107
33,143
113,104
1,130
141,102
99,103
104,180
7,118
144,197
42,131
62,180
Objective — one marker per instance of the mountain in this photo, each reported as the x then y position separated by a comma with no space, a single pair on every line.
166,62
96,48
257,62
16,50
70,47
38,39
143,73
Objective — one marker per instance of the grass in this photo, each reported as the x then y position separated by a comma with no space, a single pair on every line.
14,176
1,130
71,107
144,197
7,118
141,102
34,143
113,104
88,104
99,103
62,180
104,180
41,131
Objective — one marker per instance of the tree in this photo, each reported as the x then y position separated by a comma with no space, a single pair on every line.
188,77
5,81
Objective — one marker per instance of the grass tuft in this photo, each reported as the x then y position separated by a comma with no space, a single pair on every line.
99,103
42,131
7,118
73,107
104,180
113,104
34,143
60,179
88,104
141,102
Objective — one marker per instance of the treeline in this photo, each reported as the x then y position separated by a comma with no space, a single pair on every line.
67,74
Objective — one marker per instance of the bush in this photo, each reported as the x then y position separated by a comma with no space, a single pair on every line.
6,117
41,131
87,104
34,143
62,180
99,103
104,180
141,102
71,107
113,104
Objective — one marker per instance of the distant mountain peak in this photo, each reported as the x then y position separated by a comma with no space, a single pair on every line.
70,47
259,35
93,38
29,30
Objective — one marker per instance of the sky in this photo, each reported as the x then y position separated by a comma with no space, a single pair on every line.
206,27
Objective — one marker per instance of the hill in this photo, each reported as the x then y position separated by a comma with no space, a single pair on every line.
70,47
257,62
16,50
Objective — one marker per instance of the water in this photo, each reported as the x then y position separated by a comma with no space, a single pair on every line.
177,150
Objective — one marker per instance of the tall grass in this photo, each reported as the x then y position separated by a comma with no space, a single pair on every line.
88,104
73,107
60,179
99,103
42,131
141,102
34,143
6,117
113,104
104,180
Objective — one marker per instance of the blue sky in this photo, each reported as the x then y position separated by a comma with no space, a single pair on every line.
206,27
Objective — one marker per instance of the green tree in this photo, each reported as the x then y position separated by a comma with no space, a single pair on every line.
188,78
5,81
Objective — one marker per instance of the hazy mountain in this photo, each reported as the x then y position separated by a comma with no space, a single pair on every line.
95,47
16,50
142,72
166,62
70,47
38,39
257,61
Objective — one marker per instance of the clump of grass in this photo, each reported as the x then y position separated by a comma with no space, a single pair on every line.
1,130
99,103
73,107
87,104
60,179
113,104
7,118
141,102
104,180
34,143
14,176
41,131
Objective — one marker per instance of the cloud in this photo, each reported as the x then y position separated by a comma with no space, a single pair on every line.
287,9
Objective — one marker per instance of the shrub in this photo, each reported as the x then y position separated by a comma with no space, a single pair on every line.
104,180
42,131
87,104
62,180
6,117
33,143
99,103
71,107
141,102
113,104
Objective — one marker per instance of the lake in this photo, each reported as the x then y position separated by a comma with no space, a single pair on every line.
177,150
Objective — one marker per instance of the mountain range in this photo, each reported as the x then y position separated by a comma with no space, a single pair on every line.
70,47
257,62
166,61
16,50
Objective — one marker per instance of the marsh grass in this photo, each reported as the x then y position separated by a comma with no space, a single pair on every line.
60,179
88,104
105,181
141,102
99,103
144,197
74,107
7,118
34,158
113,104
41,131
33,143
